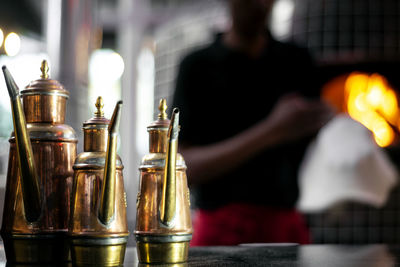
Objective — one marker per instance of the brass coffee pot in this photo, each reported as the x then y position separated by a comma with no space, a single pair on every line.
163,223
98,228
39,178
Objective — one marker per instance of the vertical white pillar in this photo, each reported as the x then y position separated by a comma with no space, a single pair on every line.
69,37
132,25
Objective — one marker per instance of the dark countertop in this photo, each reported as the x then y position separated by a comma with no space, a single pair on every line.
309,255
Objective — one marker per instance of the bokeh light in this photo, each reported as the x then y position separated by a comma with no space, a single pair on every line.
372,102
105,70
12,44
106,64
1,37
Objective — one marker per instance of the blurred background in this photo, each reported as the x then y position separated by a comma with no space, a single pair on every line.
130,50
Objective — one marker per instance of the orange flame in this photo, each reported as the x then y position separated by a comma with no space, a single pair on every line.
372,102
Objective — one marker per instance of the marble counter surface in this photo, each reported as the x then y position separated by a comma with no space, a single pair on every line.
279,255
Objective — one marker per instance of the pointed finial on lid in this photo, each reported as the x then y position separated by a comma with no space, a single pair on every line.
162,108
99,106
45,70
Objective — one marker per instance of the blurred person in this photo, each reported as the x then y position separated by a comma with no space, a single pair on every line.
249,106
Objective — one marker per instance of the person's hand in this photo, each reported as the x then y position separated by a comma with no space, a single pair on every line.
294,117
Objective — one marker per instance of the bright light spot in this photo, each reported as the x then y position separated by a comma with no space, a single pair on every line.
284,9
374,96
145,96
106,64
389,106
359,102
12,44
383,134
105,70
1,37
281,17
357,82
372,102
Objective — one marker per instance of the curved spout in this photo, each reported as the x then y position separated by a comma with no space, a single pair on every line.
168,200
107,201
29,176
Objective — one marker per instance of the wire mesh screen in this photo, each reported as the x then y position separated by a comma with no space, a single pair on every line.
348,30
175,39
336,32
346,33
354,223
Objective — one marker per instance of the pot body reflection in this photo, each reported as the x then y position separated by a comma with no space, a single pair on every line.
39,177
54,150
163,222
92,242
155,242
98,228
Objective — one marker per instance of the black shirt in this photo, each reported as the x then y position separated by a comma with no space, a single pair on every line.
222,92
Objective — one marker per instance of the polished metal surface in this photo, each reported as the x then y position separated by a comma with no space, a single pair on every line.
93,160
99,252
45,99
157,161
98,228
107,199
163,222
51,108
95,130
148,222
27,167
50,132
55,183
85,205
37,202
158,130
163,238
162,253
168,199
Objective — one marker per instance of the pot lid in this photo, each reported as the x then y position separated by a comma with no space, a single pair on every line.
45,85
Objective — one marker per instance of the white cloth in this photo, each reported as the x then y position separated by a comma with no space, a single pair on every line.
344,163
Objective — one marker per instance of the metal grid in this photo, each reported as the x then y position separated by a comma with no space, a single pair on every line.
336,32
188,31
348,30
339,33
354,223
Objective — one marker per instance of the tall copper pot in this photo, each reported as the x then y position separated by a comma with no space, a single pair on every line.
39,178
163,223
98,228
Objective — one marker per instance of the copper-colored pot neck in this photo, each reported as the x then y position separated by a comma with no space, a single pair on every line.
95,138
95,130
158,140
45,99
47,108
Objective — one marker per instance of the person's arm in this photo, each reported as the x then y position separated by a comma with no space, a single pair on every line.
292,118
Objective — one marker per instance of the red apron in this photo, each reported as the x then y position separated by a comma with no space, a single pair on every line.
234,224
